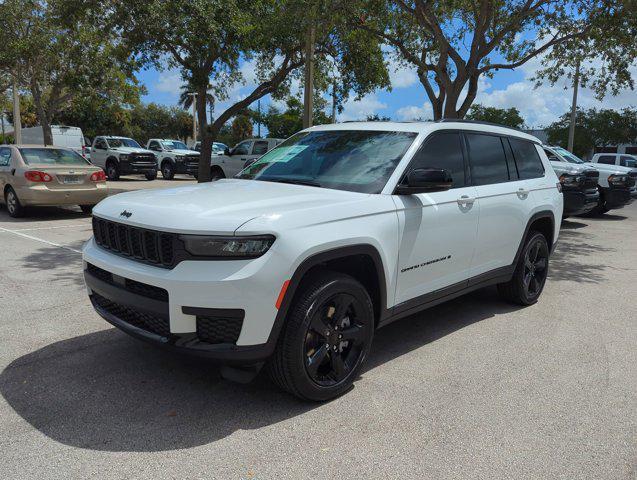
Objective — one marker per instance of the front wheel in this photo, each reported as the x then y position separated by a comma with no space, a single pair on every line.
151,175
167,171
530,274
14,207
216,173
112,171
326,338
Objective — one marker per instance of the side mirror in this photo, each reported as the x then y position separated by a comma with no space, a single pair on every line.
227,152
424,180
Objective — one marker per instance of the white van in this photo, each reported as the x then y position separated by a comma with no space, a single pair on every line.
67,137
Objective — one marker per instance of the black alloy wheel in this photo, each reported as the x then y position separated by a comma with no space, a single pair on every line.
335,340
536,259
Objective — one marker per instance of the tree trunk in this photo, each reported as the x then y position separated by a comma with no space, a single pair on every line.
206,138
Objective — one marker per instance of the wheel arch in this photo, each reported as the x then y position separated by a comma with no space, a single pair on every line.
543,222
361,261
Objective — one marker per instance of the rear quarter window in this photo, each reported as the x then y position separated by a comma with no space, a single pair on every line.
487,159
527,159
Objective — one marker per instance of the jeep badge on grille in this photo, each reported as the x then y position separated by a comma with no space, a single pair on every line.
125,214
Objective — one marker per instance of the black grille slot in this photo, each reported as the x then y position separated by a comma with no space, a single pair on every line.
150,246
219,329
139,319
147,246
146,290
591,179
100,273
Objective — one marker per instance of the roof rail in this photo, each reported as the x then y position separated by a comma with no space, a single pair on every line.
477,122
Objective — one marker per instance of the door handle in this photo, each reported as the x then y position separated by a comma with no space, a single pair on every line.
466,200
523,191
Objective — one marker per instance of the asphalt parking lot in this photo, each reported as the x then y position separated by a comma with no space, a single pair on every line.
475,388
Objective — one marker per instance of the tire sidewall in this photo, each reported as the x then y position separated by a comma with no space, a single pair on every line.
18,208
303,315
531,299
112,172
167,166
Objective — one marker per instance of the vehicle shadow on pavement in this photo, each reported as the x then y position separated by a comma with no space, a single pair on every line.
106,391
44,214
571,259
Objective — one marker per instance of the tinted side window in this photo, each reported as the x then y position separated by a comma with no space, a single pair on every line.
630,162
527,159
5,157
260,147
488,162
442,150
607,159
241,149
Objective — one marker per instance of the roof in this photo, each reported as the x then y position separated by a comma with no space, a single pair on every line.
427,127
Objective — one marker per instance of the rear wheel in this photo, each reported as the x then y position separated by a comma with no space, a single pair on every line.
112,170
325,339
151,175
530,273
14,207
167,171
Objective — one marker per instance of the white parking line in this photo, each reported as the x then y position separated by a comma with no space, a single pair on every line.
51,228
53,244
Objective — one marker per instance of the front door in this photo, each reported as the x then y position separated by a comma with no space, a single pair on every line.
438,228
236,161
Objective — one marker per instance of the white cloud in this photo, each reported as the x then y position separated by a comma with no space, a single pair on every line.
360,109
401,75
169,82
414,112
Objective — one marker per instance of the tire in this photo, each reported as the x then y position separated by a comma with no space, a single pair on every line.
88,209
167,170
14,207
328,309
216,173
112,170
151,176
601,207
531,272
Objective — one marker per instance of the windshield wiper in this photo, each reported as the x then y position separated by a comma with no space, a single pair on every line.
294,181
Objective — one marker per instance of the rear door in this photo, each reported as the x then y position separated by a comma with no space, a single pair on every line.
240,154
98,152
5,167
505,201
438,228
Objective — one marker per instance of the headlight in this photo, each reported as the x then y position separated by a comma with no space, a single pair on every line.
227,247
179,158
571,180
123,156
618,180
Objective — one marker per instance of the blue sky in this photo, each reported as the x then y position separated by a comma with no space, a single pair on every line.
407,99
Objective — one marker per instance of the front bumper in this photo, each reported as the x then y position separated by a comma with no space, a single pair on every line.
580,202
194,290
617,197
42,195
188,167
134,167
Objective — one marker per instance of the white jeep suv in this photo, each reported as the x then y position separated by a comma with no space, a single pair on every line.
339,230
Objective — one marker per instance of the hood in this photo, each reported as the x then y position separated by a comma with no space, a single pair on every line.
221,207
130,150
602,167
571,168
182,151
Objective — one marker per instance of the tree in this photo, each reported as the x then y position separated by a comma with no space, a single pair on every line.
208,39
241,127
59,51
595,128
509,117
287,123
452,43
28,114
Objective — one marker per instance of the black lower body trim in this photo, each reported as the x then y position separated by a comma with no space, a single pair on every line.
428,300
617,197
125,169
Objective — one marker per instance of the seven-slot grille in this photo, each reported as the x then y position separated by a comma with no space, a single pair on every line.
149,246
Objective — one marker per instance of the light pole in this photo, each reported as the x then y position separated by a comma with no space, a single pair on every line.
194,116
17,121
571,127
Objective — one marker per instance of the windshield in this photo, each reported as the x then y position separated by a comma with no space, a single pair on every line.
122,142
51,156
218,147
358,161
174,145
568,156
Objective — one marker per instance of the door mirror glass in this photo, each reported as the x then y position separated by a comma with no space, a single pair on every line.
227,152
424,180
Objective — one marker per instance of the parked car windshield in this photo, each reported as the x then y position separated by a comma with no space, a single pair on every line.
51,156
123,142
568,156
219,148
174,145
354,160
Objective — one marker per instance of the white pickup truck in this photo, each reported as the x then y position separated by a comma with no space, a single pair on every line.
173,156
121,156
243,154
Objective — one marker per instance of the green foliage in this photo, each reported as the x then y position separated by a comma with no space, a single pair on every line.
287,123
28,115
595,128
241,128
509,117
